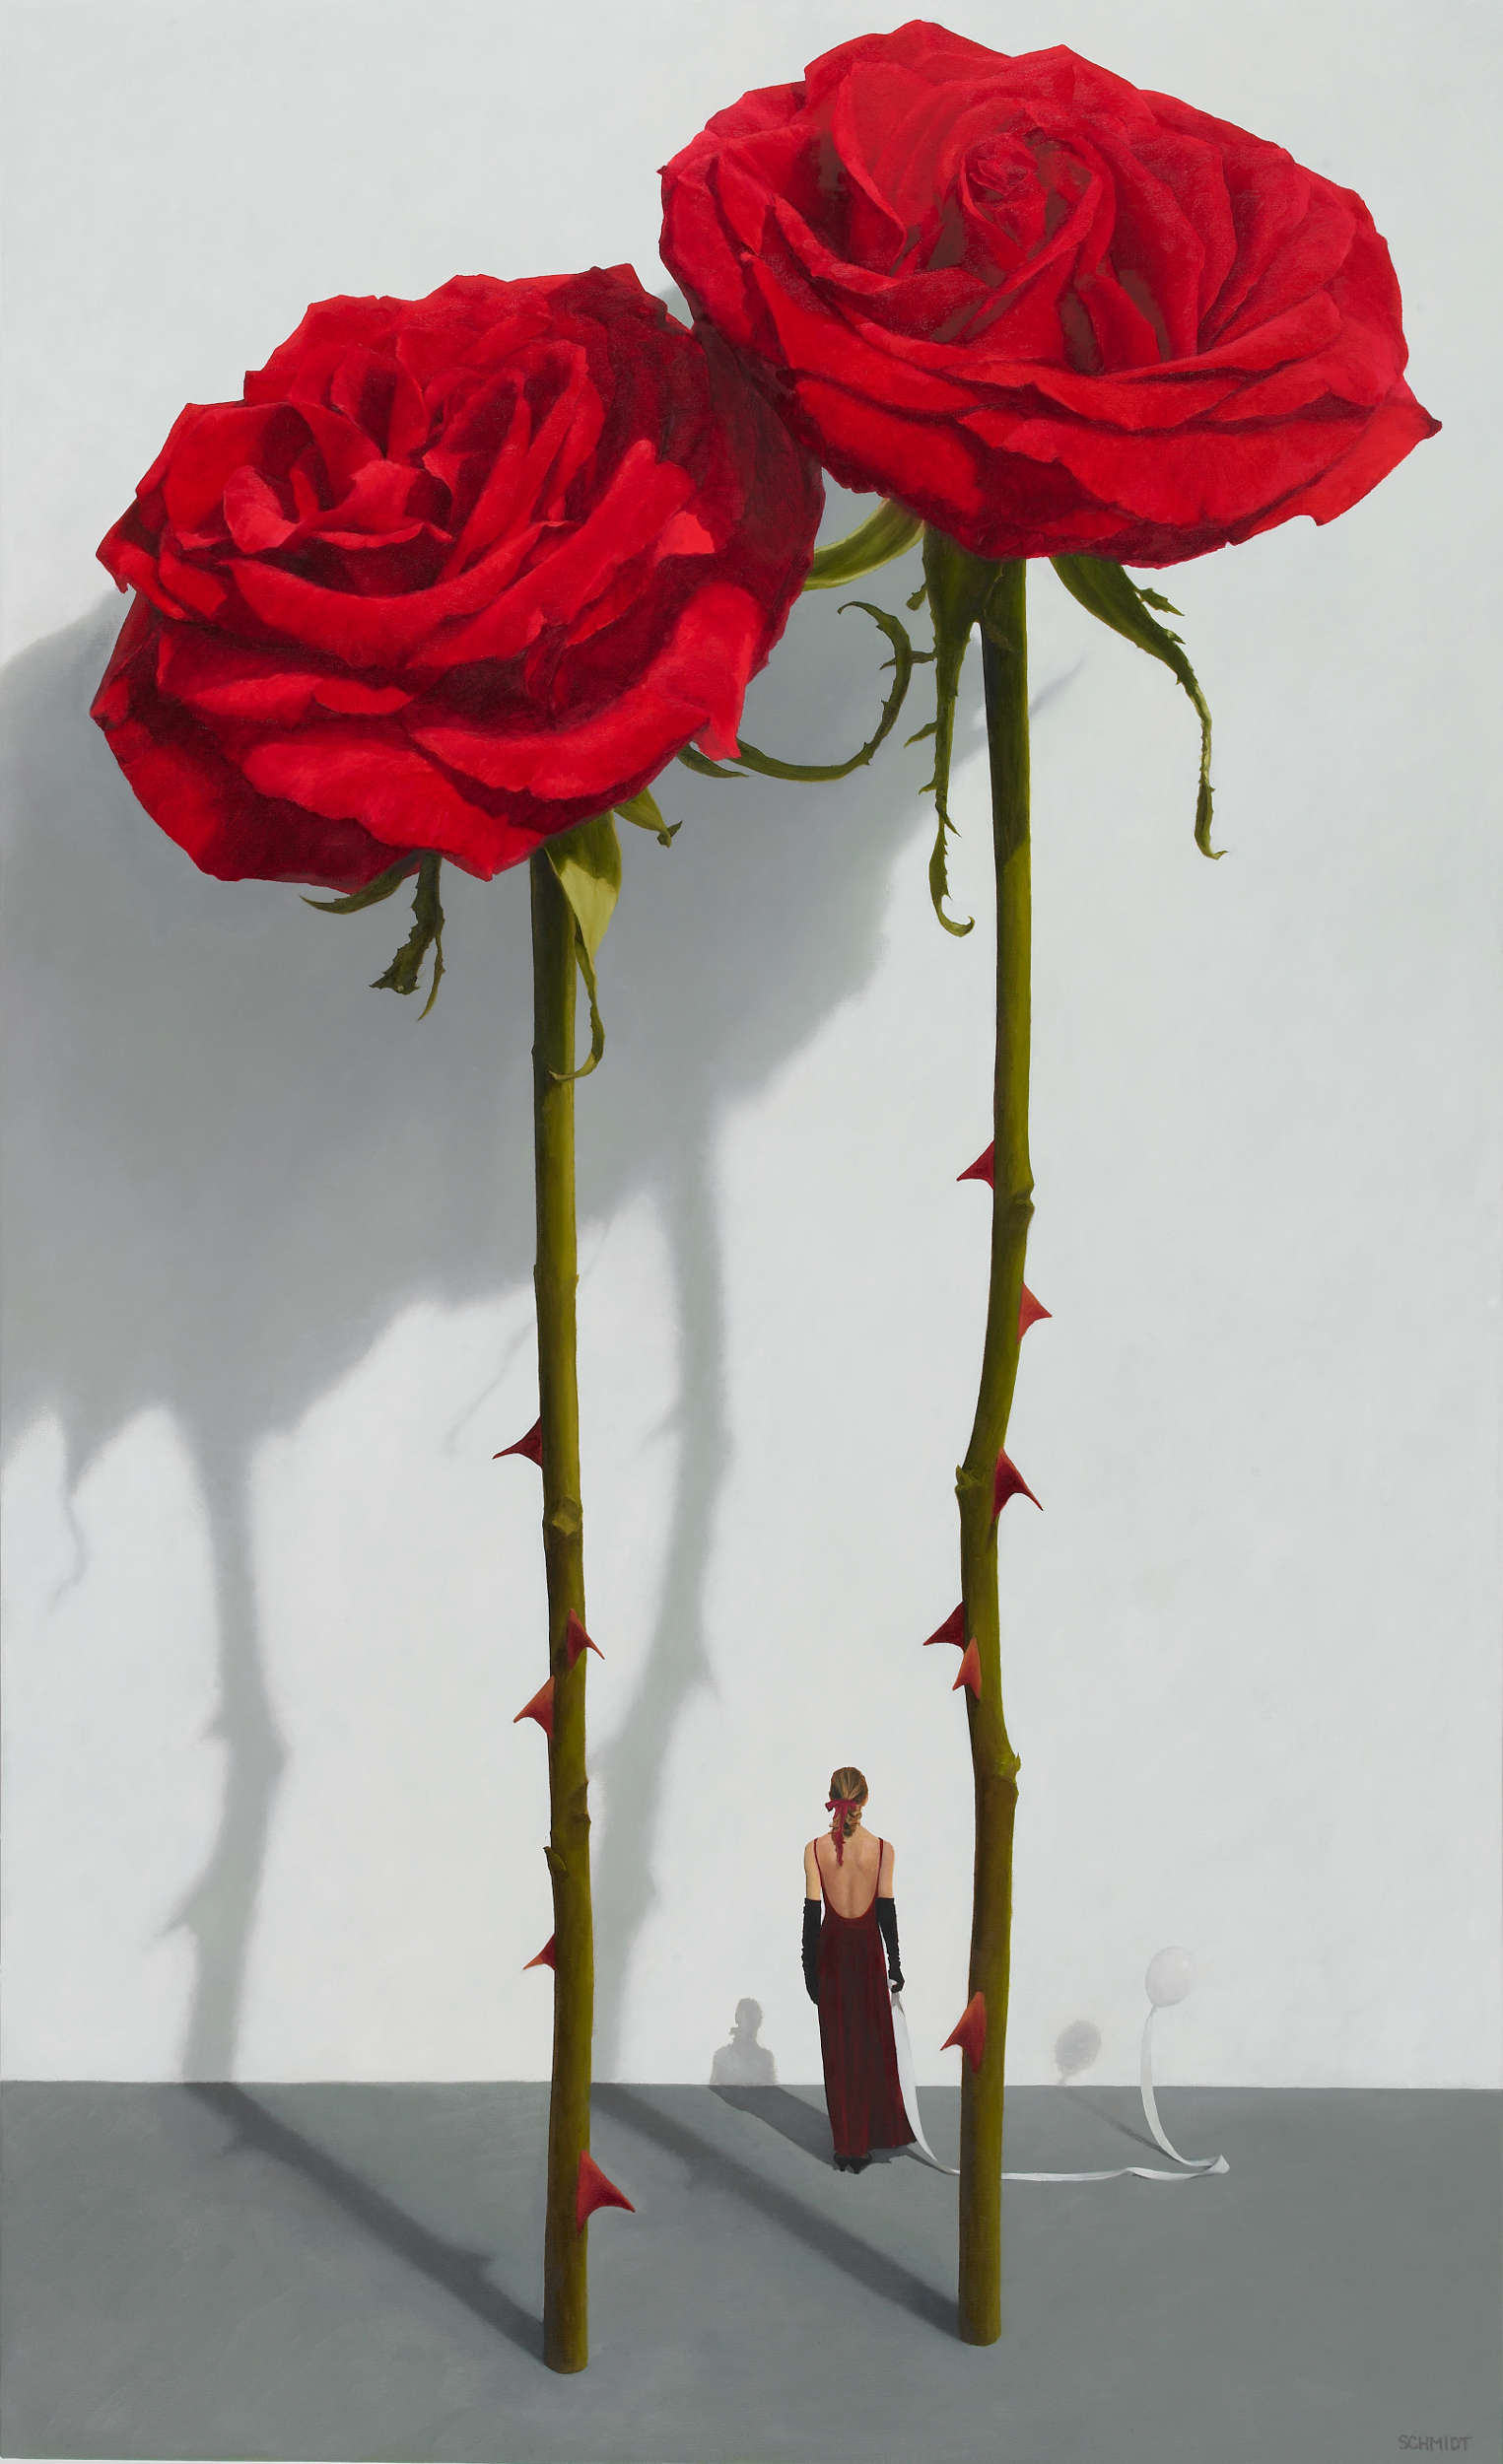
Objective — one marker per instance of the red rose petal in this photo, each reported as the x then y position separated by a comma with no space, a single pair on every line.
692,688
182,779
371,766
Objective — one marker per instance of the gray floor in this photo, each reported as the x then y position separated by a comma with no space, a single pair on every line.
350,2272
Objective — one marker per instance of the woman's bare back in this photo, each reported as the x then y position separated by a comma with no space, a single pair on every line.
854,1882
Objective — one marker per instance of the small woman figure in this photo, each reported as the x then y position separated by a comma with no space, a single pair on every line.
844,1971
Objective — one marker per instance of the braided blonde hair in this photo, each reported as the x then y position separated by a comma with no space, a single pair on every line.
849,1784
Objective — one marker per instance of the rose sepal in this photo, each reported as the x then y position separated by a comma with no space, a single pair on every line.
426,934
1111,595
645,811
587,862
903,661
383,886
888,532
958,587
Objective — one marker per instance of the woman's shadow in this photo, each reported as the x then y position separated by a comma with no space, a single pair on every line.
229,1164
743,2074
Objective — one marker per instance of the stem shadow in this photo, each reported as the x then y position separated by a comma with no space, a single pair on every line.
461,2272
885,2277
778,2109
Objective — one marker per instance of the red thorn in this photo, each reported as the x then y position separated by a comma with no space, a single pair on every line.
532,1446
970,2031
540,1709
1030,1311
576,1640
983,1168
595,2191
969,1672
545,1958
1009,1483
953,1629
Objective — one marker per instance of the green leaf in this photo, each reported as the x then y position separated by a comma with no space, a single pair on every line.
587,864
886,533
427,933
382,887
1108,594
643,809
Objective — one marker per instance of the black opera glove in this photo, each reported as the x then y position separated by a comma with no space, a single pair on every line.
887,1921
813,1910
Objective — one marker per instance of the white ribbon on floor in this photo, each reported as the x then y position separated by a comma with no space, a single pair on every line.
1167,1981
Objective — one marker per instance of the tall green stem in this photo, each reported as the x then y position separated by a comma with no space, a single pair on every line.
995,1764
565,2291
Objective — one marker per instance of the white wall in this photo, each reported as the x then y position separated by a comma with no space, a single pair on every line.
268,1238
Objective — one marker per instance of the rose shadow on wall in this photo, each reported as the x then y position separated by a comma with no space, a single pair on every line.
230,1164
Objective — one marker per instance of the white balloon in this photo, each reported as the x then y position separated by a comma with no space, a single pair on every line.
1171,1973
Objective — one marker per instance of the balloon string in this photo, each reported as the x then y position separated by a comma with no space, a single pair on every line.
1192,2166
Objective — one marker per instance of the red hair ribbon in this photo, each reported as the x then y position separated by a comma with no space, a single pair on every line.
839,1806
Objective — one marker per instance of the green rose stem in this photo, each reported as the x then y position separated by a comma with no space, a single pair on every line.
995,1764
566,2292
967,593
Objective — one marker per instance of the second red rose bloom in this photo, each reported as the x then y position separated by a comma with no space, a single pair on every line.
1049,313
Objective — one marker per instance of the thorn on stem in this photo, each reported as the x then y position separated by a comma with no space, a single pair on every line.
545,1958
970,2031
540,1709
595,2190
969,1672
532,1446
1030,1311
953,1629
1009,1482
576,1640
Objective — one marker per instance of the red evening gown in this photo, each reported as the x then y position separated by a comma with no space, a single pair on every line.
862,2086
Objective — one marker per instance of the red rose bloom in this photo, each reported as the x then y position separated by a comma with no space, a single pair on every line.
455,575
1051,313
